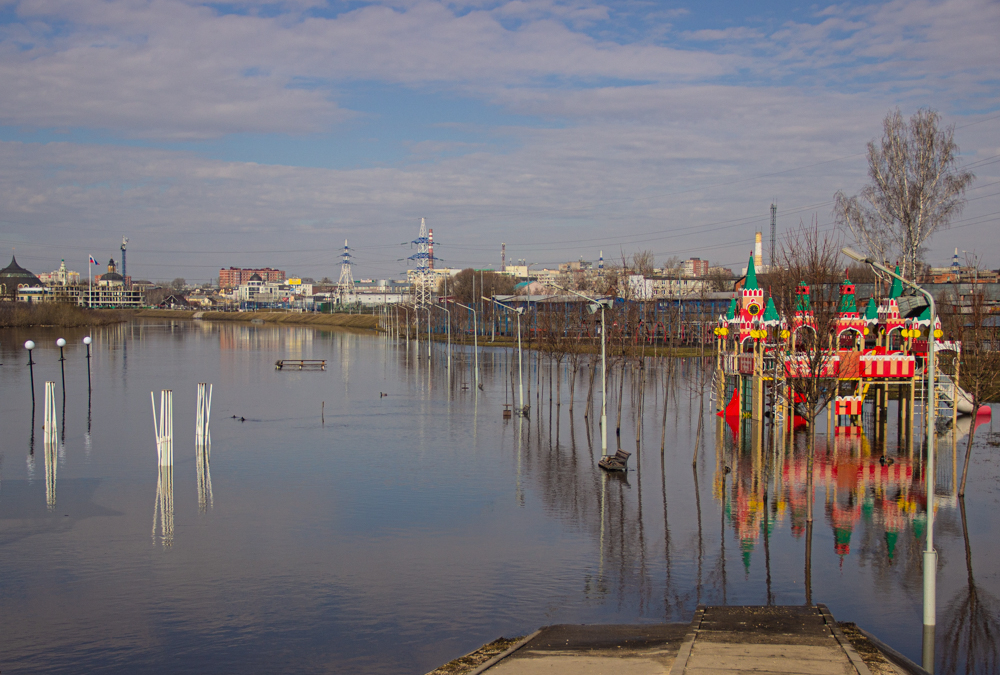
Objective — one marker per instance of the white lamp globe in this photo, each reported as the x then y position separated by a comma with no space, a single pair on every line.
87,340
29,345
60,342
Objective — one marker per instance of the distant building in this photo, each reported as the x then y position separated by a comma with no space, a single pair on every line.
237,276
695,267
60,277
15,279
110,292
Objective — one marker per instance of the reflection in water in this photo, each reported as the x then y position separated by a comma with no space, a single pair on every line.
972,636
585,546
163,509
51,462
202,454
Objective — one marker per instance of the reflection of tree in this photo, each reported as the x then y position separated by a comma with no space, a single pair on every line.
973,624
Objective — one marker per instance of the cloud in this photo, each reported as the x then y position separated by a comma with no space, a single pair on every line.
617,138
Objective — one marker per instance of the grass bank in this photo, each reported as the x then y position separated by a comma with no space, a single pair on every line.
27,315
360,321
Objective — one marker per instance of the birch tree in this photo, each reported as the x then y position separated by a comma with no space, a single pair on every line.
916,188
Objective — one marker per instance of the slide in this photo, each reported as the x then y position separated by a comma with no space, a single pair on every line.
963,399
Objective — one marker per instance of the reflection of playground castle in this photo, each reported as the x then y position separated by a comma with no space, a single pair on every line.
867,358
888,495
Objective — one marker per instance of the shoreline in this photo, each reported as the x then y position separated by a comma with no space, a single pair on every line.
358,321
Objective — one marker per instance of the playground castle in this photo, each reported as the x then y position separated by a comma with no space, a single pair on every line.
769,363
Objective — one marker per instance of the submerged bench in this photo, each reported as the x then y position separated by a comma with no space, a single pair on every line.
300,364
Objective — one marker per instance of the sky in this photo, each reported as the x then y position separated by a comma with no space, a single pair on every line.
255,134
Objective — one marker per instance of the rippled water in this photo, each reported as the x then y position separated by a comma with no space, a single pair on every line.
338,530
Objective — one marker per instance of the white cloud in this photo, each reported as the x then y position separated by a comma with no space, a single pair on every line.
696,144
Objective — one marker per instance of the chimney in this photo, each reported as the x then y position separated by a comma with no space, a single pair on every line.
430,248
758,255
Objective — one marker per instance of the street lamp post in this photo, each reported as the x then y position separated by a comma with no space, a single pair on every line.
445,309
520,363
930,555
475,338
593,307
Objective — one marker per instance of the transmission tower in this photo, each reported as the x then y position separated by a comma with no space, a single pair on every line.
422,280
345,286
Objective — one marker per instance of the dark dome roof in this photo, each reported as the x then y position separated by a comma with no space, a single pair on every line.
13,275
255,277
112,276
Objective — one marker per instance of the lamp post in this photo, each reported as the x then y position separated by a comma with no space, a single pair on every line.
29,345
445,309
520,363
61,342
87,341
930,555
593,307
475,338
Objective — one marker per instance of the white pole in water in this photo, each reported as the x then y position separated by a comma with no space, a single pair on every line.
164,427
203,414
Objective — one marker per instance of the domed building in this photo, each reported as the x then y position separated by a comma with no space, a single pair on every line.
111,277
13,277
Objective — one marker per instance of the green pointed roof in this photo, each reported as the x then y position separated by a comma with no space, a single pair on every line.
871,311
847,304
751,284
897,287
731,314
802,302
770,312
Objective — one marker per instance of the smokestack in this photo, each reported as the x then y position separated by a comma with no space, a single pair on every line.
758,254
430,248
600,266
503,258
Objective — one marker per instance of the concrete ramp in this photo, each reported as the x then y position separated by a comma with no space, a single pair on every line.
765,641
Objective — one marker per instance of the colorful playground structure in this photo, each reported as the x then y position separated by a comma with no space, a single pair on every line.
860,361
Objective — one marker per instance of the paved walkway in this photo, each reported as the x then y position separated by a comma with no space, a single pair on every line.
719,640
766,640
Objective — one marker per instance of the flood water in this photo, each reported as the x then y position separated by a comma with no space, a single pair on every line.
337,530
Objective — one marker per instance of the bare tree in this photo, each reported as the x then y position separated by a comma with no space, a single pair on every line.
980,367
643,263
916,188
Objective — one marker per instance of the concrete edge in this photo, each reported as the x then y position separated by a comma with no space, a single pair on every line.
504,654
684,653
845,644
896,657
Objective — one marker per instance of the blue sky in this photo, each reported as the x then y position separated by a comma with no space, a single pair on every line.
265,133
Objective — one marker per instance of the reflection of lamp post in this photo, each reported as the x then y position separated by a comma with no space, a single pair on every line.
593,307
930,555
520,370
475,338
